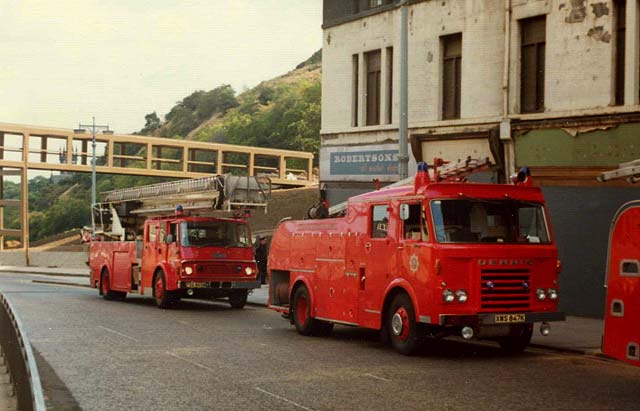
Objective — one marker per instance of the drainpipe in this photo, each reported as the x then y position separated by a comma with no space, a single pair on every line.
505,124
403,158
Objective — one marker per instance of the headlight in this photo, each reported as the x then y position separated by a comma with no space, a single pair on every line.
540,293
448,296
461,296
552,293
248,270
188,270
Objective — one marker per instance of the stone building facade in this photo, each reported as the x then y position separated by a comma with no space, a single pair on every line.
549,84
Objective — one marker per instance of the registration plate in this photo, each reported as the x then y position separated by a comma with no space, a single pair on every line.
510,318
196,285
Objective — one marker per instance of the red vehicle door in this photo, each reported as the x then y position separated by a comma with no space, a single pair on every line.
379,251
149,251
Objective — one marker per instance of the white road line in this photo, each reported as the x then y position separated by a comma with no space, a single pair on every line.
118,333
376,377
197,364
283,399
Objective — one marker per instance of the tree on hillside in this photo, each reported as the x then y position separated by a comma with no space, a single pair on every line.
196,108
152,123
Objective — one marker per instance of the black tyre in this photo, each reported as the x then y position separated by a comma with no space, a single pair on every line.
164,298
401,323
105,288
238,298
301,311
515,344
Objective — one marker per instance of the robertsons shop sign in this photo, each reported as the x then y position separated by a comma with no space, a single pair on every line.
366,163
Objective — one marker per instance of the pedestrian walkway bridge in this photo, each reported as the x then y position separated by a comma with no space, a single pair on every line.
70,150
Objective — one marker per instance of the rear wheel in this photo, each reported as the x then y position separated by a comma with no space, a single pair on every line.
302,315
163,298
238,298
401,323
515,344
105,288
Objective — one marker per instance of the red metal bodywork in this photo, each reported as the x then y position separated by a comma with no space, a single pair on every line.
214,268
351,276
622,319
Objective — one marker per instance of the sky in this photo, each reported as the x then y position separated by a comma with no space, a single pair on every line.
65,61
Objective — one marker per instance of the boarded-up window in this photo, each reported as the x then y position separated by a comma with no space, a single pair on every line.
354,90
389,85
532,64
373,61
451,75
620,7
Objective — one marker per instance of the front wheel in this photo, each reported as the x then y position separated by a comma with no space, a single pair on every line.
401,323
515,344
163,298
238,299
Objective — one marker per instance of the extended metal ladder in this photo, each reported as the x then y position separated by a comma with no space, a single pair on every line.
631,170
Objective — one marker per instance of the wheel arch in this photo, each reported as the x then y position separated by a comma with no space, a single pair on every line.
298,281
399,286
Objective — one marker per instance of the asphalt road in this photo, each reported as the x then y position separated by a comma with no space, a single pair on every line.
103,355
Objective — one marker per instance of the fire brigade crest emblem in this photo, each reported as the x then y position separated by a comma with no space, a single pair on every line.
413,263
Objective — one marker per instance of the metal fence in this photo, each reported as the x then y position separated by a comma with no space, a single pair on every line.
20,360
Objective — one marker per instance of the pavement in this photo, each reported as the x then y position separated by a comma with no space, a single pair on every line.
579,335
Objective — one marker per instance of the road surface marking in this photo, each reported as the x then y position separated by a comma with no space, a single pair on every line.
283,399
118,333
376,377
197,364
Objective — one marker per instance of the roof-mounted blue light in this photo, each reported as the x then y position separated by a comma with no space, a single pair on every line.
422,166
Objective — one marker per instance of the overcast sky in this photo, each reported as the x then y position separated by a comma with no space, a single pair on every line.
66,60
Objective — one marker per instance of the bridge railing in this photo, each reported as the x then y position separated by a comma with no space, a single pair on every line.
20,360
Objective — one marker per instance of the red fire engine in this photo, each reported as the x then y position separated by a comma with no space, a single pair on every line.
437,258
622,319
144,247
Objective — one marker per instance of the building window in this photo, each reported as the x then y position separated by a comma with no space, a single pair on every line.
374,74
355,6
620,7
375,3
354,90
389,85
451,75
532,60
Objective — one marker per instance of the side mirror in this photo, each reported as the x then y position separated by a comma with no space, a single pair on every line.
404,212
170,239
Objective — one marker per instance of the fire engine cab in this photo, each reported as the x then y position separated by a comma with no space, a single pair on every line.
436,258
146,245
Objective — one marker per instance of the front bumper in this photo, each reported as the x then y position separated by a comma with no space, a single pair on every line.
499,318
218,285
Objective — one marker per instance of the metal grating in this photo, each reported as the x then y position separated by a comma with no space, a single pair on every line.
505,289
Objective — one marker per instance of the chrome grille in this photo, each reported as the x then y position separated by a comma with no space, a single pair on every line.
505,289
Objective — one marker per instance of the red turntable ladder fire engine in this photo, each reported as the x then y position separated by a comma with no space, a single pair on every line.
621,331
177,240
437,257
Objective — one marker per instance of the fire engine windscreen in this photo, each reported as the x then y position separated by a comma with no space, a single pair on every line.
489,221
214,234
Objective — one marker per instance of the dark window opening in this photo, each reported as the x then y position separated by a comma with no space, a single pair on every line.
389,85
451,75
354,90
620,7
532,59
374,74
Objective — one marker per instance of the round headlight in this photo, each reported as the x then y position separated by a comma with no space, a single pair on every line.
448,296
540,293
248,270
188,270
552,293
461,296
